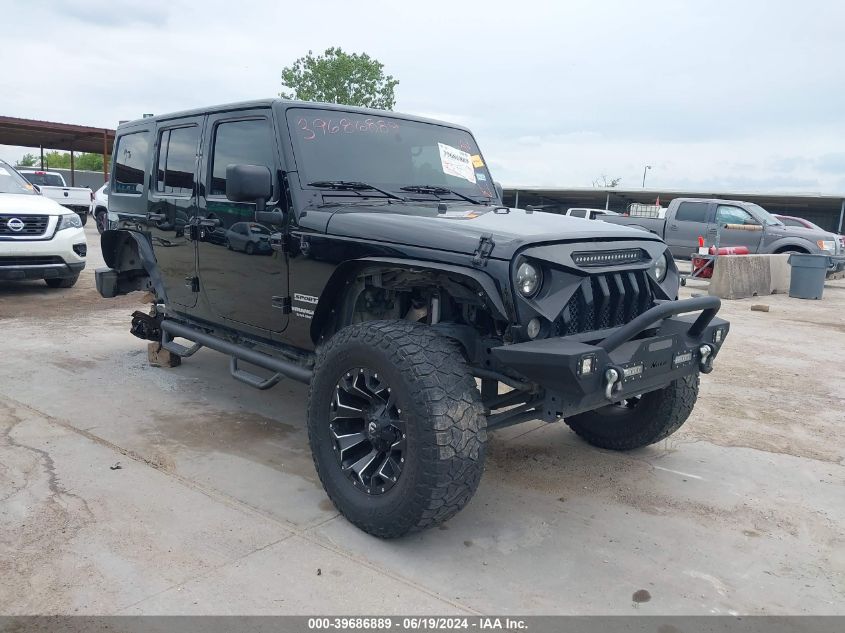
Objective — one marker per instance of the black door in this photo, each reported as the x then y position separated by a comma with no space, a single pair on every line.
173,205
242,277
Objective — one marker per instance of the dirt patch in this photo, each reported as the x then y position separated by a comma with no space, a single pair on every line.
246,434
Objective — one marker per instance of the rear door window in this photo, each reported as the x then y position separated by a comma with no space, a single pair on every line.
177,156
691,212
578,213
130,162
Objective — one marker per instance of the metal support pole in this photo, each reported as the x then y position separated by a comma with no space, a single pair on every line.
516,199
607,202
105,153
841,214
72,173
41,147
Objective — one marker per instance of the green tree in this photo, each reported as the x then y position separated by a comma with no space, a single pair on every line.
338,77
84,161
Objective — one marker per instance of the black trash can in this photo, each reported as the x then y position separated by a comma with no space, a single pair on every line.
808,274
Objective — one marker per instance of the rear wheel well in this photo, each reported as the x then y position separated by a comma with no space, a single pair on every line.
122,253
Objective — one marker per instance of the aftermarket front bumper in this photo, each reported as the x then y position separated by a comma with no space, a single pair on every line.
661,345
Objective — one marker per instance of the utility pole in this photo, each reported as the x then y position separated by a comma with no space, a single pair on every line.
645,171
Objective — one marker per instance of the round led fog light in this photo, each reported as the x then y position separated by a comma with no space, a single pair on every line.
533,328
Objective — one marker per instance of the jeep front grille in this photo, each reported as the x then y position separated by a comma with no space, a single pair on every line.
605,301
33,225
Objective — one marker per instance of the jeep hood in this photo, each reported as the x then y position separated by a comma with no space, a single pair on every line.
459,229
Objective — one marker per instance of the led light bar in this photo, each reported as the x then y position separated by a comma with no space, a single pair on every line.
608,258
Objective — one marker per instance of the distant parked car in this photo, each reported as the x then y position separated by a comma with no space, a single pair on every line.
100,208
52,184
589,214
39,239
249,237
791,220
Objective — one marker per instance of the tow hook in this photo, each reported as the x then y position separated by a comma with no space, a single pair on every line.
613,378
706,362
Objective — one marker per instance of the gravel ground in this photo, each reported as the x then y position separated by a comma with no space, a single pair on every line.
130,489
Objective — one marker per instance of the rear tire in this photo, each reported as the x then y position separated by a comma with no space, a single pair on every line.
637,423
434,456
100,218
65,282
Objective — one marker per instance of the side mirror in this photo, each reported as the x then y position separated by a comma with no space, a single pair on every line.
249,183
499,191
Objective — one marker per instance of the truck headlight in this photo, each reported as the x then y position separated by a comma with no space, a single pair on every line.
659,267
69,221
528,279
827,245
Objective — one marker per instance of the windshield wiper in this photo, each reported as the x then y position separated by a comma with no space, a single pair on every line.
437,190
352,185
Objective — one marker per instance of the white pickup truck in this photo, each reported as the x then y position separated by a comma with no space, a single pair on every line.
52,185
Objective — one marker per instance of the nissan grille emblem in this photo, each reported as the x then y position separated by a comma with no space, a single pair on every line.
15,224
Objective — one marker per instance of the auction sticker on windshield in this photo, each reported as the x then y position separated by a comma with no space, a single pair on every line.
456,162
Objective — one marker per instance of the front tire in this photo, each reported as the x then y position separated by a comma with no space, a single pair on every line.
638,422
396,426
65,282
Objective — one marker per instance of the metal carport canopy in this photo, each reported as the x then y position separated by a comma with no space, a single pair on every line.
61,136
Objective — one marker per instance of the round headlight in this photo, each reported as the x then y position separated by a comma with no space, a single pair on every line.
528,279
659,267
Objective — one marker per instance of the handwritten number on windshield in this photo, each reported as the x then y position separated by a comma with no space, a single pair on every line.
311,129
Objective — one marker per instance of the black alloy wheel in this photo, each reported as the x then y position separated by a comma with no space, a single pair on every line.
368,431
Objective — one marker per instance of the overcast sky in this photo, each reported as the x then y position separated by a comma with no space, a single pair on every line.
741,95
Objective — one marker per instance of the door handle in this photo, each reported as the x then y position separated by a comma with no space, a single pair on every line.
673,227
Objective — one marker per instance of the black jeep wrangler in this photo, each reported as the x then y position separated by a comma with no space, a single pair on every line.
369,254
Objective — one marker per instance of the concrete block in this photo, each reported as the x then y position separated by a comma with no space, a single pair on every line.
743,276
160,357
781,273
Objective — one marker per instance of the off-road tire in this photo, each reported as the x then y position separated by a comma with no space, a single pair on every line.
444,421
100,219
655,417
64,282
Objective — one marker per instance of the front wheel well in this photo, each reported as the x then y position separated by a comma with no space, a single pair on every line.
791,249
419,295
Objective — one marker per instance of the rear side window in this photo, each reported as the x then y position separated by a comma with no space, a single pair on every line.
177,154
578,213
691,212
248,142
43,179
130,162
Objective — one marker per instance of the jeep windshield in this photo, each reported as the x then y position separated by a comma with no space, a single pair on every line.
418,160
12,182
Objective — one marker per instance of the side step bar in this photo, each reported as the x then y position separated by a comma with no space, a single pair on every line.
237,352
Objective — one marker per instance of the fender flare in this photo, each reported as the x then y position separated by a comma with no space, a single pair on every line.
113,242
491,295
